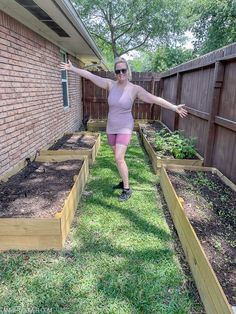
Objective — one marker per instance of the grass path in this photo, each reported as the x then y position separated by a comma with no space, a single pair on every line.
118,258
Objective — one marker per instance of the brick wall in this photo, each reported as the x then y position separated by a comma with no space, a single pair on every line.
31,102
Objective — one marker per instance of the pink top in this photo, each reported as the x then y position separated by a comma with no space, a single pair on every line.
120,119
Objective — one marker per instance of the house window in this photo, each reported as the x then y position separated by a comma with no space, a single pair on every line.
64,81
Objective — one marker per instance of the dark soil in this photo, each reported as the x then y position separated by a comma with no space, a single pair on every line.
210,206
150,130
39,190
75,141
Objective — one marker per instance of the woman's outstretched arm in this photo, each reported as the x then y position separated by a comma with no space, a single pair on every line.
145,96
97,80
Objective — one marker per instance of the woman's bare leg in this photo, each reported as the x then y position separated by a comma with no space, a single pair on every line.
119,152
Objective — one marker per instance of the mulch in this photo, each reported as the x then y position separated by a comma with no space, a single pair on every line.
39,190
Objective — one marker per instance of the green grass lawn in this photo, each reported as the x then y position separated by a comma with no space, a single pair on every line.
118,257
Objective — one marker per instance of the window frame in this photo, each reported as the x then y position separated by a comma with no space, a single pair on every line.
64,79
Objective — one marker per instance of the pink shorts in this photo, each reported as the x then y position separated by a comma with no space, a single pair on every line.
123,139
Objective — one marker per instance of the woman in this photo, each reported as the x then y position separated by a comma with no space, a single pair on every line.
120,122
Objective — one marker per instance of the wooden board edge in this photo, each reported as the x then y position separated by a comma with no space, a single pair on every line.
72,200
29,227
227,309
58,158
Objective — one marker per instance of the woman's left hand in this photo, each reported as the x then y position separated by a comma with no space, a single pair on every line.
181,111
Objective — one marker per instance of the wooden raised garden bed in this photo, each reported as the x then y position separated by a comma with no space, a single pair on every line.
157,159
202,203
100,125
96,125
77,143
38,203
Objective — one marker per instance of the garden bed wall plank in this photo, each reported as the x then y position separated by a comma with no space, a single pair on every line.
28,227
42,242
210,290
68,211
100,125
91,153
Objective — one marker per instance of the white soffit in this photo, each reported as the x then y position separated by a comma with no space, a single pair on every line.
79,44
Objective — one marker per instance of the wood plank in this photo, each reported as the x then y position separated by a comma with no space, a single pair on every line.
29,226
177,98
67,152
229,124
70,152
97,144
210,290
30,242
151,114
223,151
58,158
200,114
187,162
217,85
71,202
226,180
189,167
190,68
150,151
83,133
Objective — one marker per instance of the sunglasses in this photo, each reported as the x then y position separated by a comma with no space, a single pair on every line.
123,71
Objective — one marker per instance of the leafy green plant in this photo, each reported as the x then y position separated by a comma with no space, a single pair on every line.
176,144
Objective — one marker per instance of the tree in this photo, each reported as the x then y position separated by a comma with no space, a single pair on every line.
168,57
142,62
214,24
164,58
125,25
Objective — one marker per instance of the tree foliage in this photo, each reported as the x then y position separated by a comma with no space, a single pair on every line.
168,57
164,58
125,25
214,25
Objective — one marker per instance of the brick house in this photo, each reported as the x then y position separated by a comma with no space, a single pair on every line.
38,102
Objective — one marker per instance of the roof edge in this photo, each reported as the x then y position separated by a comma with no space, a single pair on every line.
68,8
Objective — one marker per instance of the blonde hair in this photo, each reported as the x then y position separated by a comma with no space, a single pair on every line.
122,60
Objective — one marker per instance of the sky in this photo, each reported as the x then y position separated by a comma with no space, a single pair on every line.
189,40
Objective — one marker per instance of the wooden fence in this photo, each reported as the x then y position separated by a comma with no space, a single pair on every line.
95,99
207,86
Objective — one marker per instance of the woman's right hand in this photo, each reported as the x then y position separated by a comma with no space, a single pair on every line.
67,66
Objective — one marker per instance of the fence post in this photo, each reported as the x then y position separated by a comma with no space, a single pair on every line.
215,100
84,104
178,98
152,92
160,93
